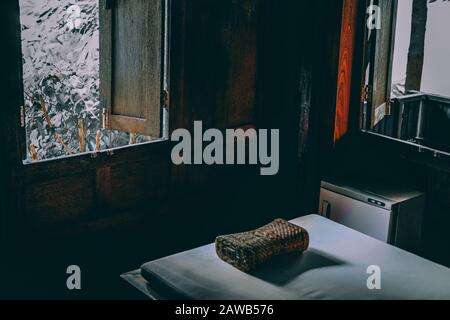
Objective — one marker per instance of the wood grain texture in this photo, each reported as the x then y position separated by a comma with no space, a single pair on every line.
325,59
13,146
50,204
381,81
238,64
219,54
347,47
141,184
105,38
213,71
133,42
102,191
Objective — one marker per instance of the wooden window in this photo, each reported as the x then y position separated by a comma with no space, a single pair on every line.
379,52
95,75
132,48
345,71
407,97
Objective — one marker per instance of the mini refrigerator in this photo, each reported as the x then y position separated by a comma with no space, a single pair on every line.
391,214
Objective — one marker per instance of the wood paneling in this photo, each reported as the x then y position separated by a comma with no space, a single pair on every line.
213,71
141,184
347,47
132,39
61,201
11,86
55,204
103,191
216,59
382,62
220,47
325,79
238,64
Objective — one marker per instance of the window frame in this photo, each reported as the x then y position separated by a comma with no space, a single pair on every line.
378,56
111,156
150,122
407,150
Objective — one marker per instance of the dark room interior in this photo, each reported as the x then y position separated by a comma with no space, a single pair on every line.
89,177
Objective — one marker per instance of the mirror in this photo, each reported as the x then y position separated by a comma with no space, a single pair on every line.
417,97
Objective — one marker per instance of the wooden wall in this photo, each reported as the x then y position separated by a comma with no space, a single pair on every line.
215,82
234,63
347,48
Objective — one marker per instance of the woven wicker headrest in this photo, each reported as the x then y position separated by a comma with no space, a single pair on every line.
249,249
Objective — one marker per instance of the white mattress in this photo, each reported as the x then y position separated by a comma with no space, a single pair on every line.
334,267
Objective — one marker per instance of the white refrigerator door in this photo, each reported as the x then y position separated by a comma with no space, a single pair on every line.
360,216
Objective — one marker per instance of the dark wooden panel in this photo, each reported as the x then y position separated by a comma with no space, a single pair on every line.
238,35
137,184
46,170
439,195
381,85
219,62
12,98
201,58
132,33
105,39
325,57
60,201
136,57
102,190
213,62
348,36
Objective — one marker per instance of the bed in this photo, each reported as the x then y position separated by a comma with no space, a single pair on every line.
334,267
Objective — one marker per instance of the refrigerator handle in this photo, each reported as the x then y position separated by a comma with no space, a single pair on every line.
326,209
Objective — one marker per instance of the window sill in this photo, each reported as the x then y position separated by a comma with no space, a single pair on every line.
69,165
409,151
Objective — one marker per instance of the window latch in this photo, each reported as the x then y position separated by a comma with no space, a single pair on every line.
22,117
365,93
166,99
105,119
388,107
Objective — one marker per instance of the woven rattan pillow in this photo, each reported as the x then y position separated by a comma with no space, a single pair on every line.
249,249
